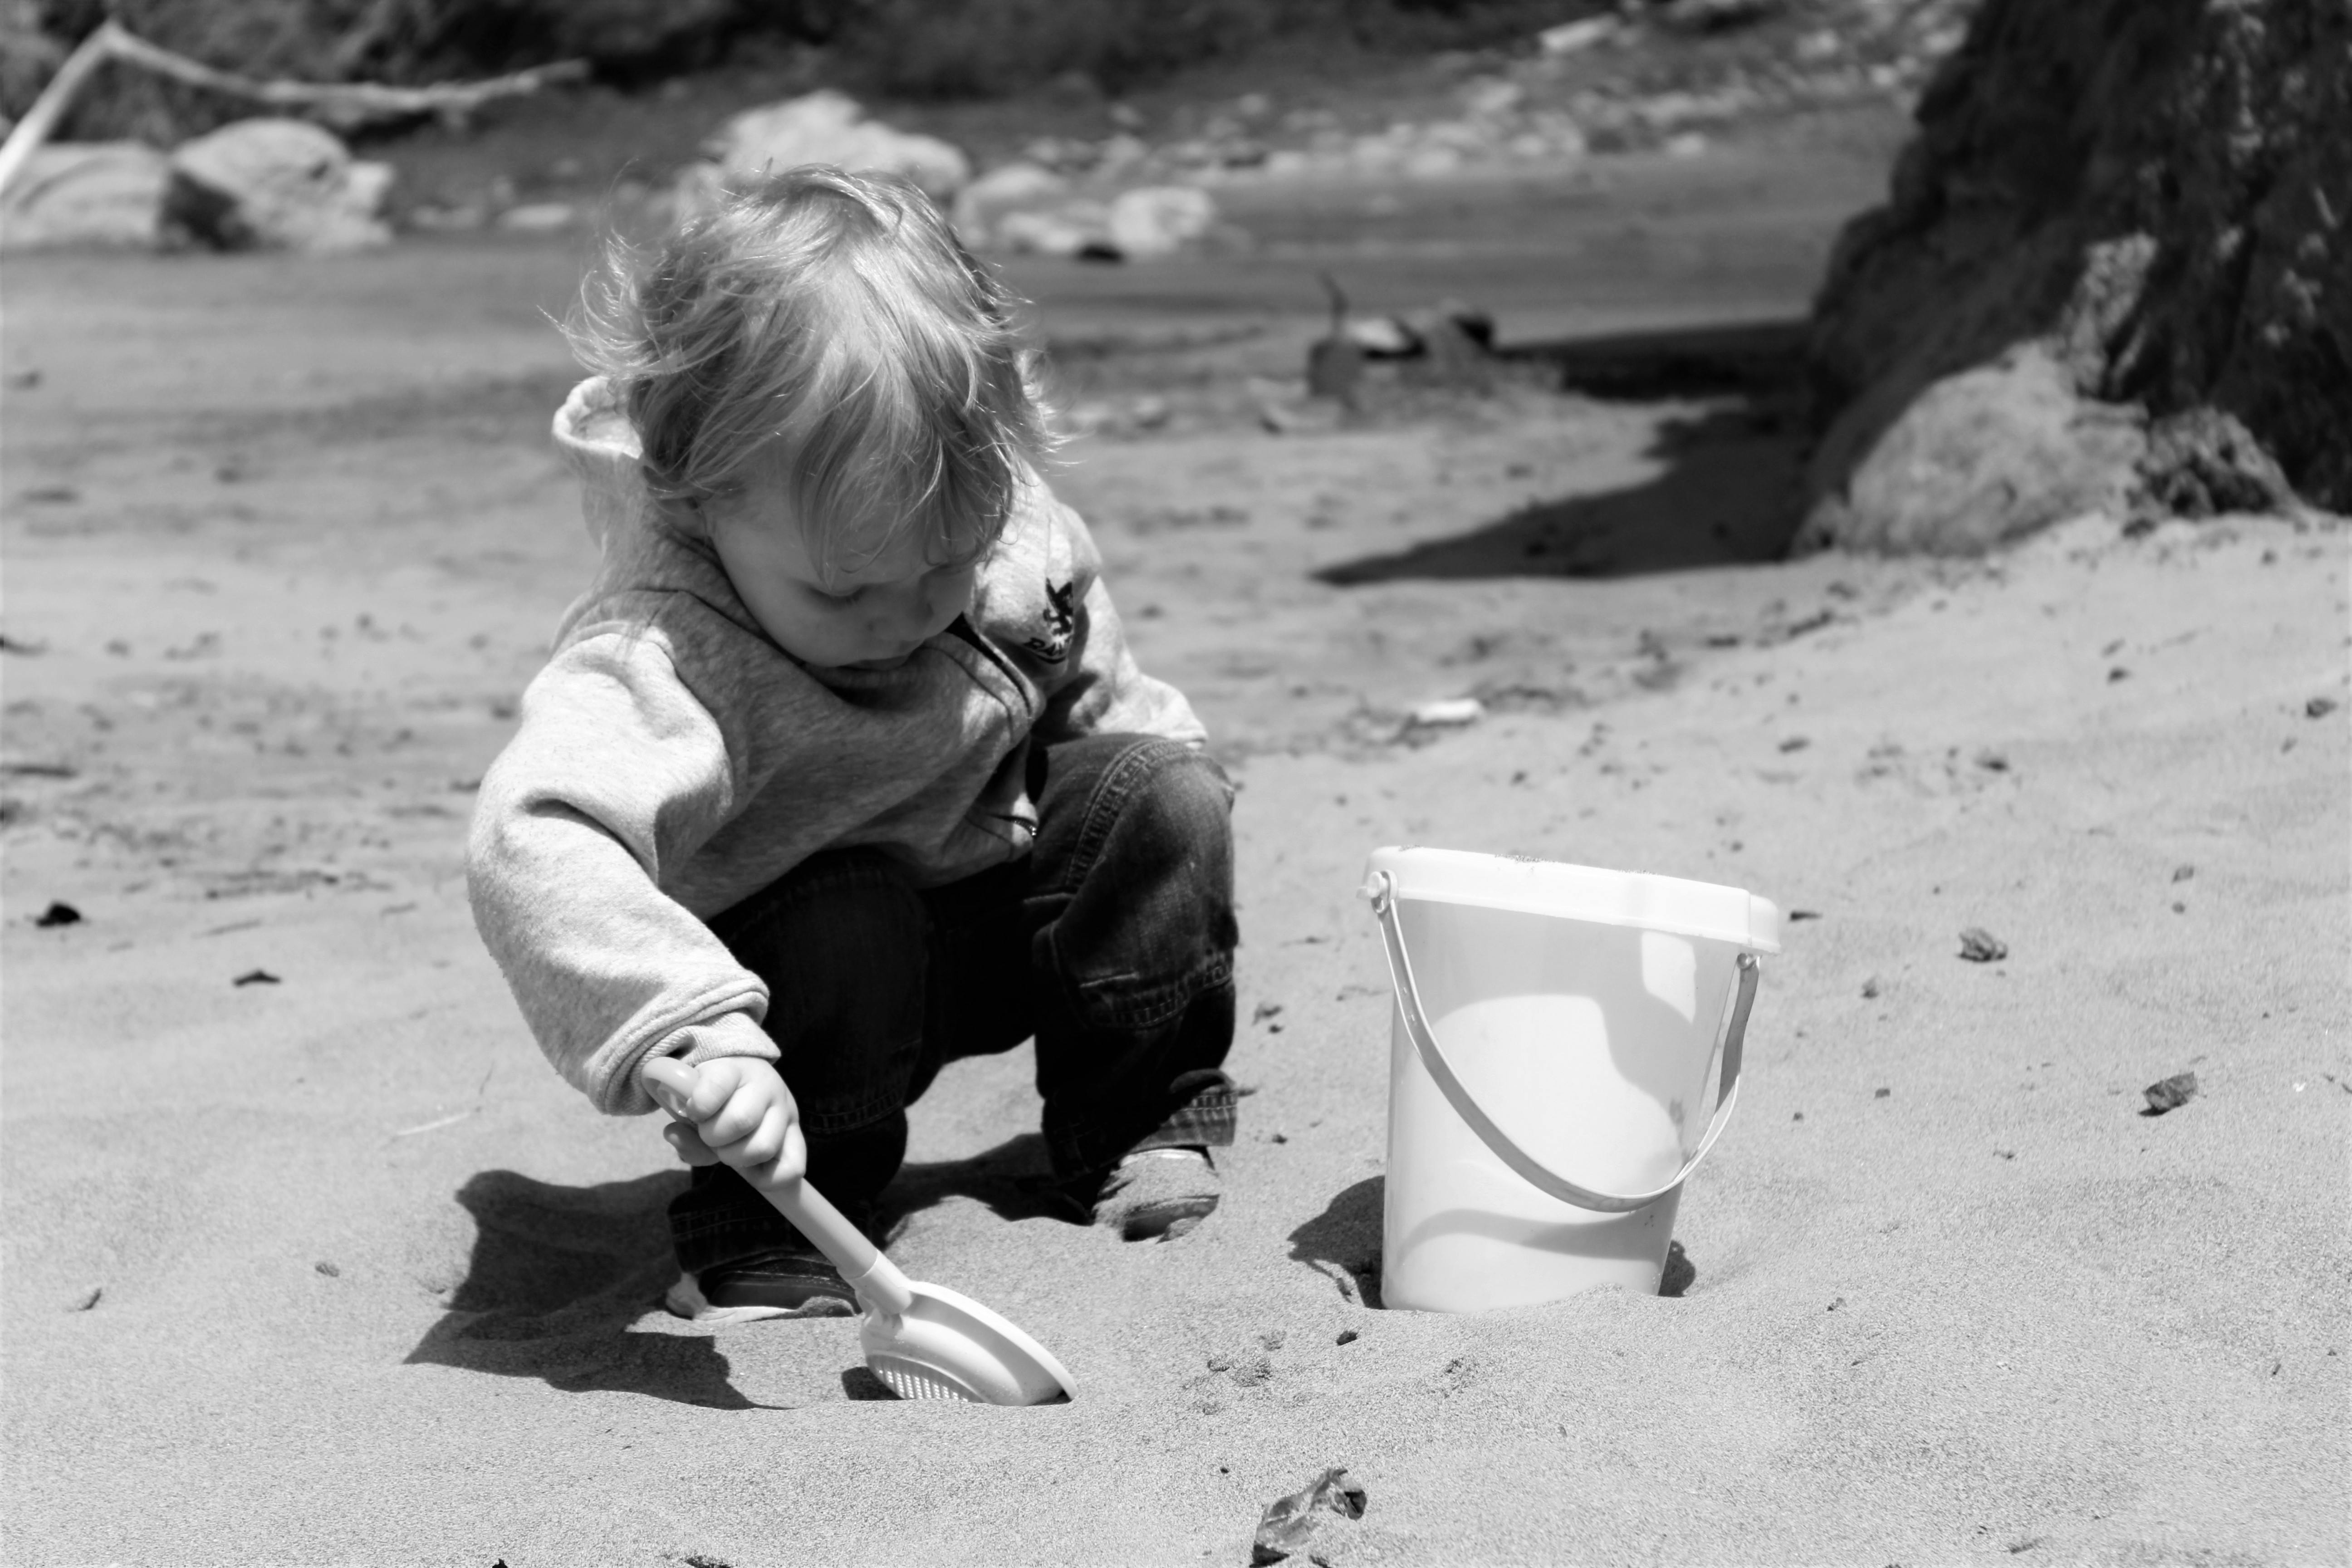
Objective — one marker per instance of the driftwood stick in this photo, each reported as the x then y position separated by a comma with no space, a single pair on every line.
361,98
367,97
50,107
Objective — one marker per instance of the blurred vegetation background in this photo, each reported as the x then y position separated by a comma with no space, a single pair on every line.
912,49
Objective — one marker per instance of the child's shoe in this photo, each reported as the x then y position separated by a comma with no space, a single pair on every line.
1158,1195
783,1282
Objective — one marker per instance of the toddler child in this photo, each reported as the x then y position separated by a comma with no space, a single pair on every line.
841,768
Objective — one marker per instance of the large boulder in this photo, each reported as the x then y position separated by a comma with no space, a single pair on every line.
2154,194
1160,220
1004,190
96,194
829,127
277,185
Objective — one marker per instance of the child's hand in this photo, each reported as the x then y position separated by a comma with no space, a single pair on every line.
732,1111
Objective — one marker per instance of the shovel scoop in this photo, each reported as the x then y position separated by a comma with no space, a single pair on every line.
924,1342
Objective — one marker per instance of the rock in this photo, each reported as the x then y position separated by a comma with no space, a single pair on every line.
1977,460
94,194
2169,1094
1978,945
2157,194
1289,1523
1076,229
2203,462
1011,187
1574,38
829,127
277,185
538,217
1161,220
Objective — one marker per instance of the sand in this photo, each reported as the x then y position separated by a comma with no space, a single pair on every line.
330,1267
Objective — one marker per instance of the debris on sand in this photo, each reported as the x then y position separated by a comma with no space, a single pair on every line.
1978,945
58,915
1290,1521
86,1299
2319,707
257,977
1679,1273
2183,872
2169,1094
1448,713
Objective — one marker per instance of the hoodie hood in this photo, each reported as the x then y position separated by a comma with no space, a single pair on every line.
597,440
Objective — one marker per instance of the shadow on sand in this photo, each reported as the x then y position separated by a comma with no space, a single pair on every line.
1343,1242
556,1276
1014,1179
1729,493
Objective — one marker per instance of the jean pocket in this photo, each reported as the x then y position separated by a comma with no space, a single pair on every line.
1130,1002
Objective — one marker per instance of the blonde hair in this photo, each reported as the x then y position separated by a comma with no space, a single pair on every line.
835,320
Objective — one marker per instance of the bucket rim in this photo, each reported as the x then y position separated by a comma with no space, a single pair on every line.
1522,884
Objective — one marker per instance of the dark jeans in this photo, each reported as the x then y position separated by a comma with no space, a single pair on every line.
1111,943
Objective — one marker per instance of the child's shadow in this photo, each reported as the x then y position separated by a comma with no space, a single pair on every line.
1014,1179
556,1276
1343,1242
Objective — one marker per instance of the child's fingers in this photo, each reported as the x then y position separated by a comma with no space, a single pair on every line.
745,1112
689,1144
766,1141
793,1161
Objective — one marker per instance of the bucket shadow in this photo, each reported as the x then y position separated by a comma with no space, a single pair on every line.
1343,1242
557,1275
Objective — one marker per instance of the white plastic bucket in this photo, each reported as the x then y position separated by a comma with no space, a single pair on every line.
1565,1048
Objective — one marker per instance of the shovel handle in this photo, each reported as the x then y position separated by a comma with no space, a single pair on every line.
862,1264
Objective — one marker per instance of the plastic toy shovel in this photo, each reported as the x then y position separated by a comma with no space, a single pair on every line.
925,1342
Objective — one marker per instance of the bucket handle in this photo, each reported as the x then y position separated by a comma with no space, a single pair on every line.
1382,890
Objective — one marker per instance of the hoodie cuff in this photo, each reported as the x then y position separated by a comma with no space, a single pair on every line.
727,1034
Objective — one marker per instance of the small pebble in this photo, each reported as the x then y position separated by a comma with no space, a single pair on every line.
1881,1094
257,977
2319,707
2182,873
2118,673
2170,1093
1348,1336
58,915
328,1269
1978,945
87,1299
1870,987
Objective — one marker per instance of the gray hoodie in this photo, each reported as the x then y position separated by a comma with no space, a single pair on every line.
671,761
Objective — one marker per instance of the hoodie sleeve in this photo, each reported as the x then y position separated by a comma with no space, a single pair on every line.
615,772
1106,692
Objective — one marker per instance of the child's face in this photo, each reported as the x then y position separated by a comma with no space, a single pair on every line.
867,615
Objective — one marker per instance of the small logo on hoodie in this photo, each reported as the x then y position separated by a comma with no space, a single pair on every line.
1052,642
